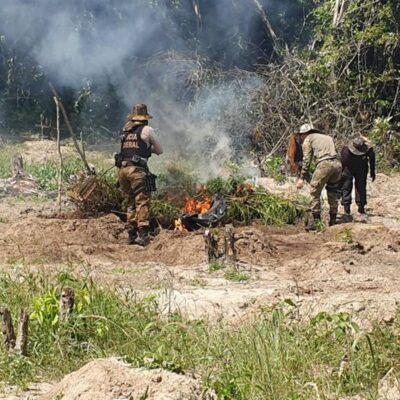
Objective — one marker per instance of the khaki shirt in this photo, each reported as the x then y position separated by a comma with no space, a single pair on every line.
319,146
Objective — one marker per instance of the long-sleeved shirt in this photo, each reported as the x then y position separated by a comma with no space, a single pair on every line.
358,164
318,146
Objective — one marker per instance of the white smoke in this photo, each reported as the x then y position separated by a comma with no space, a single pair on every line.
108,40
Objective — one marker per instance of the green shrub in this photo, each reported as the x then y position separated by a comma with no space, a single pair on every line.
46,174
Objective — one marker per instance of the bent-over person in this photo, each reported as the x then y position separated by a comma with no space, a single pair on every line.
357,158
138,142
328,171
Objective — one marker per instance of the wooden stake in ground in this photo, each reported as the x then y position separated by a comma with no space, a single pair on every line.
7,328
61,163
71,131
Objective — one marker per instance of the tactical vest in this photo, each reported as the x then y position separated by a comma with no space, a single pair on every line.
132,144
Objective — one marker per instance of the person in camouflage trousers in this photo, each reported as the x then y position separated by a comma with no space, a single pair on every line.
327,173
138,142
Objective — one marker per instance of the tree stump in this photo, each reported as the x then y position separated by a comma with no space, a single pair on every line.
229,242
18,344
211,243
7,328
17,166
67,301
21,345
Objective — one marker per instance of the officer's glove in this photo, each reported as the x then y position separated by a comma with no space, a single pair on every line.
373,177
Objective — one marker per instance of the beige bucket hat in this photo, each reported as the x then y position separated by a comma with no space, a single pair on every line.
139,113
308,128
358,146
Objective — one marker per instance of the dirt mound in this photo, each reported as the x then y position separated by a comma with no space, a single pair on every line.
111,379
105,238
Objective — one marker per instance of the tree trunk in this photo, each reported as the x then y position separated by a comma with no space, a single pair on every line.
61,162
71,131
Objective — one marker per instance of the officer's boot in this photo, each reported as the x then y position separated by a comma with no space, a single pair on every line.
347,209
143,236
332,219
132,235
361,209
313,225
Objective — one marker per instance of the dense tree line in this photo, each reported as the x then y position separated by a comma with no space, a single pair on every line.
335,62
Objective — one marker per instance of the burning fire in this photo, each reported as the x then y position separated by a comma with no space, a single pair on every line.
193,206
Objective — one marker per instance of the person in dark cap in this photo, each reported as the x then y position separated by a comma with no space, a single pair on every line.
357,158
138,142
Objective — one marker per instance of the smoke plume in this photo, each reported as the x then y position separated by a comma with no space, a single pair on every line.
138,48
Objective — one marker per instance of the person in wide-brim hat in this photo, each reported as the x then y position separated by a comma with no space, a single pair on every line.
138,143
139,113
308,128
358,157
320,148
358,147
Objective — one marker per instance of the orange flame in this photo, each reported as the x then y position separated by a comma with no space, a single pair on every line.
193,206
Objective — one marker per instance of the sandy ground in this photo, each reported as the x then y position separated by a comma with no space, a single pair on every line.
352,267
319,271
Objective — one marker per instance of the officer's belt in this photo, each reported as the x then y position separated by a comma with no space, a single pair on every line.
328,159
130,163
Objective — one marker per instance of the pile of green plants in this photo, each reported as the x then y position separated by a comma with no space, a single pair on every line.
269,356
247,203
